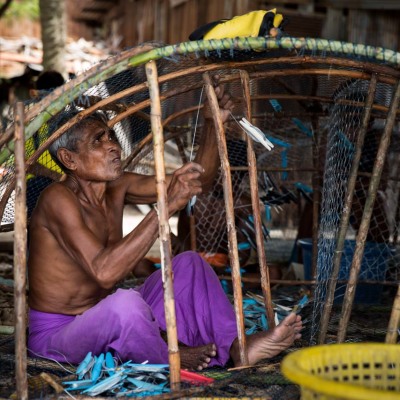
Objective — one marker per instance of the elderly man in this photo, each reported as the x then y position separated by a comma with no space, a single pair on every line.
78,254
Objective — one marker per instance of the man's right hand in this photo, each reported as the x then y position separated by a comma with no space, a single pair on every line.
185,183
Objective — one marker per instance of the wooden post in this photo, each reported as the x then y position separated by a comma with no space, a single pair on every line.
164,229
394,323
20,244
230,216
366,218
255,201
344,222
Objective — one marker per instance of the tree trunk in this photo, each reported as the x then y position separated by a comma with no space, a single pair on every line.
53,24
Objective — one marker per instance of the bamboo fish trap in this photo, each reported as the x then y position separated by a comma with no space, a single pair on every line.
331,110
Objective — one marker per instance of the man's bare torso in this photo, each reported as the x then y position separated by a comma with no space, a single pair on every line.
53,272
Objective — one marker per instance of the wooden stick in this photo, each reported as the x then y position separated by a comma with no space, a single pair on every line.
255,201
345,218
394,323
230,216
164,229
56,386
20,244
367,213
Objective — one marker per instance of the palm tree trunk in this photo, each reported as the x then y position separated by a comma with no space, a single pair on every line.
53,24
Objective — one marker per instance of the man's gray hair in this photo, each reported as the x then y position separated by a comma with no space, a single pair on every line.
70,138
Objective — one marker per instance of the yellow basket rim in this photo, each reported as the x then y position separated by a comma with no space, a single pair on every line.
291,368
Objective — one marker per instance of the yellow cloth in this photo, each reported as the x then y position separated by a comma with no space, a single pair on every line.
242,25
45,158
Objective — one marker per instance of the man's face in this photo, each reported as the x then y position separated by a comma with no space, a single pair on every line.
99,154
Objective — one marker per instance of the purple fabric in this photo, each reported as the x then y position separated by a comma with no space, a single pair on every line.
128,322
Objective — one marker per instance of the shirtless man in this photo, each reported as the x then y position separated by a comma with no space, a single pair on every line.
78,254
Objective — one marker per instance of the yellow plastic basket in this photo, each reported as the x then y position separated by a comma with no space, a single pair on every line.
350,371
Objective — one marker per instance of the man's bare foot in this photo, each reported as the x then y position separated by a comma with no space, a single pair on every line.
269,343
197,358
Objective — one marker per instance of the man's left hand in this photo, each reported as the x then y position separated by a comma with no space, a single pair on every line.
224,100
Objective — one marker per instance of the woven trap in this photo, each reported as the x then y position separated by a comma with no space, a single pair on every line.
312,98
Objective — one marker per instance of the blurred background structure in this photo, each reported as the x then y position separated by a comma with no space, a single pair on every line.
100,27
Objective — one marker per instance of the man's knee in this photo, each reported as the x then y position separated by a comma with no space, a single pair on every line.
189,263
128,304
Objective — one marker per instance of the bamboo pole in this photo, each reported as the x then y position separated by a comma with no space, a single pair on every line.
394,323
345,218
369,203
20,244
164,230
230,217
255,201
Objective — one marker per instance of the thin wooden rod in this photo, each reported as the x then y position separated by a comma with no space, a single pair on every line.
394,323
230,217
255,201
345,218
164,230
20,244
367,213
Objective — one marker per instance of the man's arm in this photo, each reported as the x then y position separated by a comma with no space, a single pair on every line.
207,155
141,189
90,247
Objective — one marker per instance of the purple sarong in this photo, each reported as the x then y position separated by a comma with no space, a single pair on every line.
128,322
